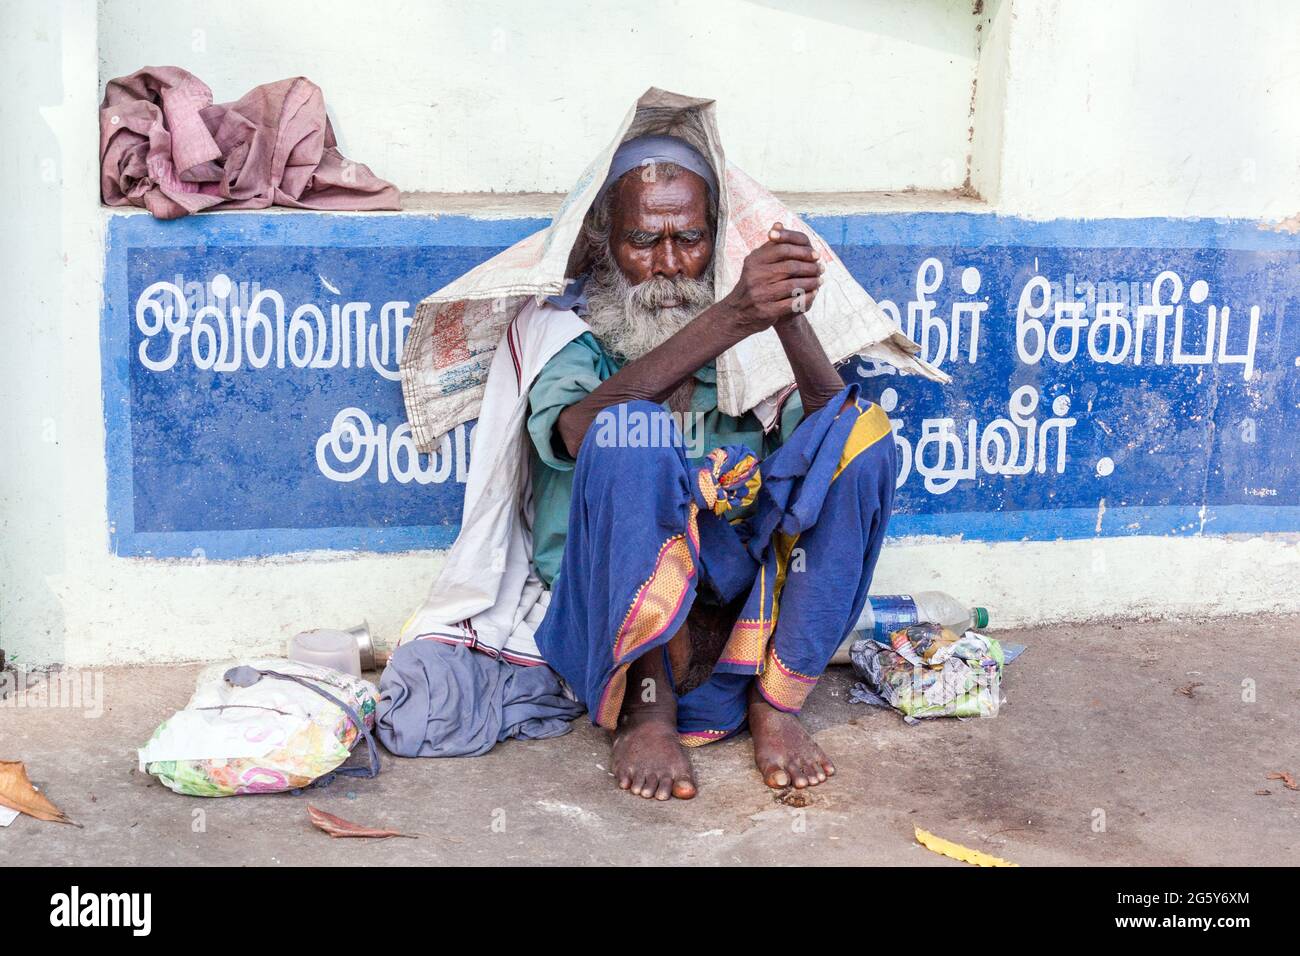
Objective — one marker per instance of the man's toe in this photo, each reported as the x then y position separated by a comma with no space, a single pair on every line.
683,788
776,776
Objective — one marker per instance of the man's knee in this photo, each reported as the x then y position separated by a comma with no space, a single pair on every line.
869,472
632,435
630,473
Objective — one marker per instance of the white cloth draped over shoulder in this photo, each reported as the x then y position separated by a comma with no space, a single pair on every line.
487,595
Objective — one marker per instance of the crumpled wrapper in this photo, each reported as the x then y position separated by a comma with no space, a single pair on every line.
928,671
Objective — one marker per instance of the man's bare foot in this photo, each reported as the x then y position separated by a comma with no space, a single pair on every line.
784,752
647,758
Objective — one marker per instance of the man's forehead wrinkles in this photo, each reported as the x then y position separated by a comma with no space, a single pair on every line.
681,196
679,210
654,221
670,220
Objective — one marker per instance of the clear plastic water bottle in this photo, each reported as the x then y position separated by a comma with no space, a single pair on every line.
885,613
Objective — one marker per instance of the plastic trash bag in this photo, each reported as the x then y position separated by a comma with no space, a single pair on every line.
928,671
272,736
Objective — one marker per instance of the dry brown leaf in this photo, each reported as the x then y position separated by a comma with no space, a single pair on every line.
1288,781
17,793
1189,690
338,827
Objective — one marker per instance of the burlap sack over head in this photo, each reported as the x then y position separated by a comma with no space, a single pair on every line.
456,329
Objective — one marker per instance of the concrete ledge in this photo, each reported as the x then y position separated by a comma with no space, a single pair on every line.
544,205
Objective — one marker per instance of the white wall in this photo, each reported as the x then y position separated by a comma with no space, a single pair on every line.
63,596
49,376
505,95
1153,108
1083,108
989,105
1107,109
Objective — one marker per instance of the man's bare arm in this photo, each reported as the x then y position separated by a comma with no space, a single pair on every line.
764,295
814,373
655,375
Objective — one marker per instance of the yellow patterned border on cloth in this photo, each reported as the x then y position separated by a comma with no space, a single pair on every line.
653,607
611,701
783,688
698,738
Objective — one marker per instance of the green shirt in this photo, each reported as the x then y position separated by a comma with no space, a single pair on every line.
570,376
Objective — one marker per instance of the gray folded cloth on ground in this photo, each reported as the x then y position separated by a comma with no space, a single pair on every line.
445,700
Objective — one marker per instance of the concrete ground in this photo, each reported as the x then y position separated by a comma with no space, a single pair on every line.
1119,744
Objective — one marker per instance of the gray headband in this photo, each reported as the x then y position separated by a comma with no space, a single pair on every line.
658,149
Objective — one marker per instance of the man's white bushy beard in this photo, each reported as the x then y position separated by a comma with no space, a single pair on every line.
630,320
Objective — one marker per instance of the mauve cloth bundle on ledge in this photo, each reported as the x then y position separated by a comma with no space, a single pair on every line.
163,145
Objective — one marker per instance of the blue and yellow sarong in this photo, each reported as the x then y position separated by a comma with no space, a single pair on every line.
649,533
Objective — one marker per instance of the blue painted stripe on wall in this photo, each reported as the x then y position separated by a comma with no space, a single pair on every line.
979,229
192,455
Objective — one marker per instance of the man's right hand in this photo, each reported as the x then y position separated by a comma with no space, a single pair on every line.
779,279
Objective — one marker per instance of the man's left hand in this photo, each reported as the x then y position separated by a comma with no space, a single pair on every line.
779,236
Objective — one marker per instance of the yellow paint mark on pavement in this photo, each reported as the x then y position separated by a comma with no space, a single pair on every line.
956,851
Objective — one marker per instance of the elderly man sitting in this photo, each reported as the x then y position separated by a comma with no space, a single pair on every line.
702,571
